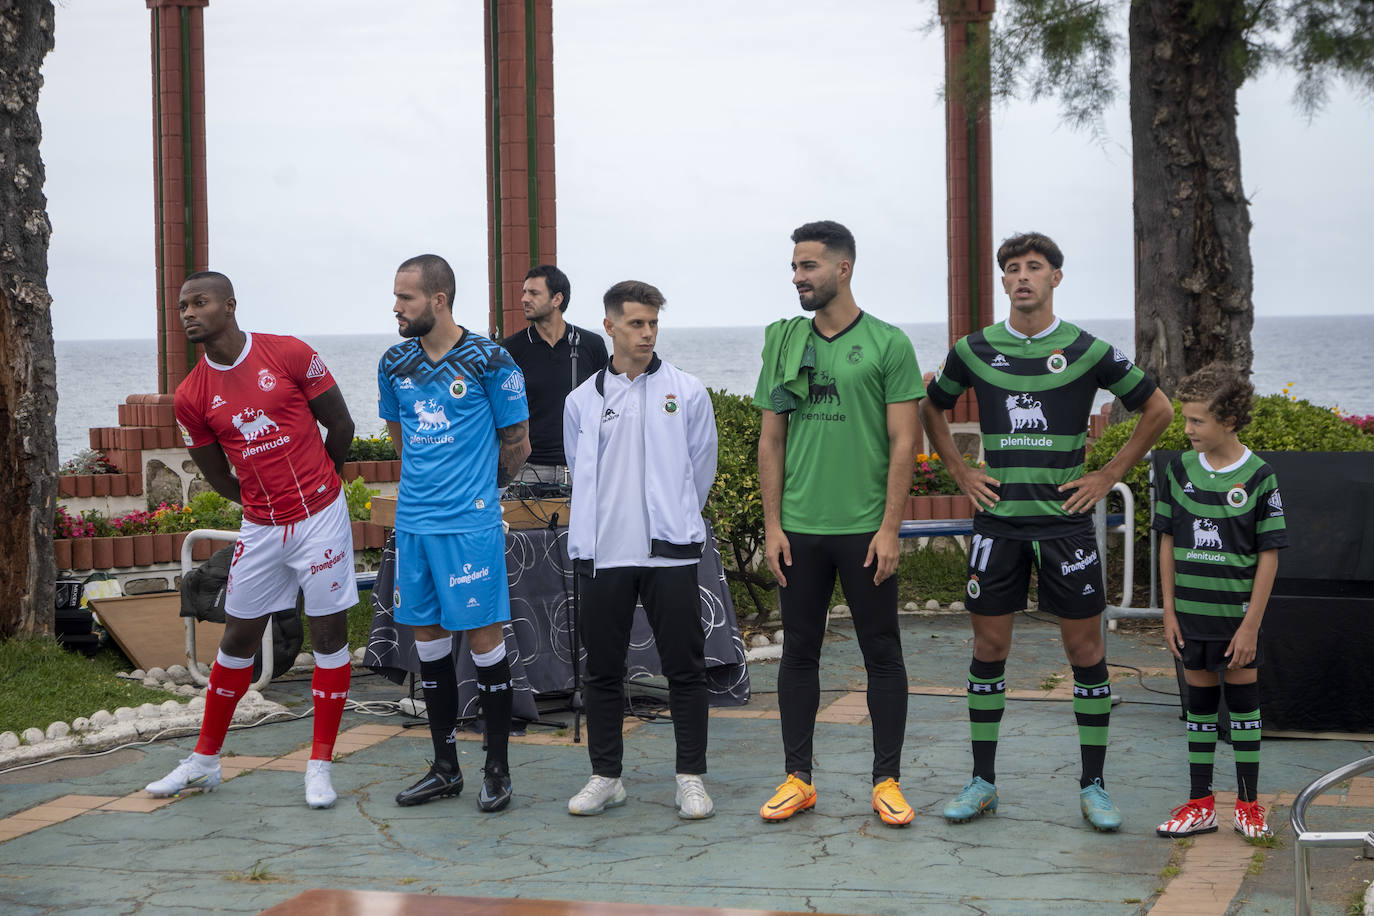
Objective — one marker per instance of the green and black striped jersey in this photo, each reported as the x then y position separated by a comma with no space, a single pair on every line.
1220,520
1034,398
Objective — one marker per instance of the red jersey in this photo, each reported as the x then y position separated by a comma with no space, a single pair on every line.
257,410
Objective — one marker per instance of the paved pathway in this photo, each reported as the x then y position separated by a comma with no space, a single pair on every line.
81,837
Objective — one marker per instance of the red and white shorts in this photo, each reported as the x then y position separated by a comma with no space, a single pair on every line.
272,562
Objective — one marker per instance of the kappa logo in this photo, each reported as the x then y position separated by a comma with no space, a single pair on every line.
217,401
823,389
1275,503
1000,362
430,414
1188,487
609,414
266,380
253,424
1206,533
406,384
316,368
514,383
1025,413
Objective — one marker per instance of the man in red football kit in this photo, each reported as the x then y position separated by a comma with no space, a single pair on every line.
252,403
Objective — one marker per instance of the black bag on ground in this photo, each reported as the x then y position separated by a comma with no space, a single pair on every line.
202,597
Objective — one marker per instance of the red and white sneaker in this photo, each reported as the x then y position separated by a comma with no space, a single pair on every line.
1250,821
1198,815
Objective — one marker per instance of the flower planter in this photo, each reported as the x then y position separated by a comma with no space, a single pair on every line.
395,469
368,469
102,553
66,485
62,547
83,485
143,549
122,551
100,484
201,550
162,549
359,535
376,535
81,553
178,539
119,484
350,471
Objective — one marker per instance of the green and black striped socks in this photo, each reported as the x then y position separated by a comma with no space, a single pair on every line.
1202,738
1243,702
987,700
1092,706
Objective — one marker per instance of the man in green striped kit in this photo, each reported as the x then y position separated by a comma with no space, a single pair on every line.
1035,378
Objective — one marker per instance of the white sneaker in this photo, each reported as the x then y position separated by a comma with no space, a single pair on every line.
600,793
195,772
692,802
319,791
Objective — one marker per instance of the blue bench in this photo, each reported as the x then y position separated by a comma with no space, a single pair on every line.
955,527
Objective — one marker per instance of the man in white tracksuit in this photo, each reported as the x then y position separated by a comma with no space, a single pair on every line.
640,441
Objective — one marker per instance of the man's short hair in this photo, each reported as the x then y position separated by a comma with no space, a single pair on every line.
631,291
829,233
1225,390
226,287
435,275
555,280
1025,243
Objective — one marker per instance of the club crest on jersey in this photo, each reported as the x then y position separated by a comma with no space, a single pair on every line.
1025,413
1057,362
1206,534
396,599
217,401
973,589
458,388
1275,503
430,415
855,355
1236,497
253,424
266,380
1000,362
670,404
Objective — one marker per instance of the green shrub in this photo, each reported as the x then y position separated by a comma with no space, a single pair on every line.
1278,424
359,498
372,448
735,506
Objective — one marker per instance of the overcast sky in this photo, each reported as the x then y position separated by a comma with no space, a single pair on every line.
347,135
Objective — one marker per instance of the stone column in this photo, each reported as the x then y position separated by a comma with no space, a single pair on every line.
180,209
520,163
968,179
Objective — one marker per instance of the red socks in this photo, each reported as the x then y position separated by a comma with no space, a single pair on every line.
227,686
329,686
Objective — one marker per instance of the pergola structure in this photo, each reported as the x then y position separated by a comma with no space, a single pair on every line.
521,198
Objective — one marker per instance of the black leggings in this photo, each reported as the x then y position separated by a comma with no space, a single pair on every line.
805,602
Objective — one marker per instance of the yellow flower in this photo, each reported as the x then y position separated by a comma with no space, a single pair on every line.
368,504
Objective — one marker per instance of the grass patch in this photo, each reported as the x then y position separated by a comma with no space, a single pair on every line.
259,872
1265,842
44,683
1256,865
1051,681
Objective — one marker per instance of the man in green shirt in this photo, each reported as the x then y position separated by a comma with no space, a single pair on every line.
838,392
1035,377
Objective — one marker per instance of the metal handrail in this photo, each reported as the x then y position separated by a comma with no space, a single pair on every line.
199,673
1304,840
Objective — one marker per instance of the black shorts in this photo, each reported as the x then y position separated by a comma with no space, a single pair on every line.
1069,569
1210,654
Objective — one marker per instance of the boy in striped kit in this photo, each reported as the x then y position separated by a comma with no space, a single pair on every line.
1035,377
1221,524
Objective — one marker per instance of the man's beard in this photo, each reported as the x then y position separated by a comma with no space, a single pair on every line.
420,325
821,296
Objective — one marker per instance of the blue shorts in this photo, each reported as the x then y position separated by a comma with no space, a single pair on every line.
457,581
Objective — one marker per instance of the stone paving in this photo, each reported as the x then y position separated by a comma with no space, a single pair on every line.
79,836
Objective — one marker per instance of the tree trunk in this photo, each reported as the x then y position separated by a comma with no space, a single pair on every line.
1192,222
28,384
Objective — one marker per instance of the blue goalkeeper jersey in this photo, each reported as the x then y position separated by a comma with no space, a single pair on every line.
449,413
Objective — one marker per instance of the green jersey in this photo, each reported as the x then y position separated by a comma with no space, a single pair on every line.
1034,398
835,469
1220,521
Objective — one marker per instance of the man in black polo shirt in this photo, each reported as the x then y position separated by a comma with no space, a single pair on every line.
555,357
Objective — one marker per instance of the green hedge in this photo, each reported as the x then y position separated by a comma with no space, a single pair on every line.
1278,424
735,507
